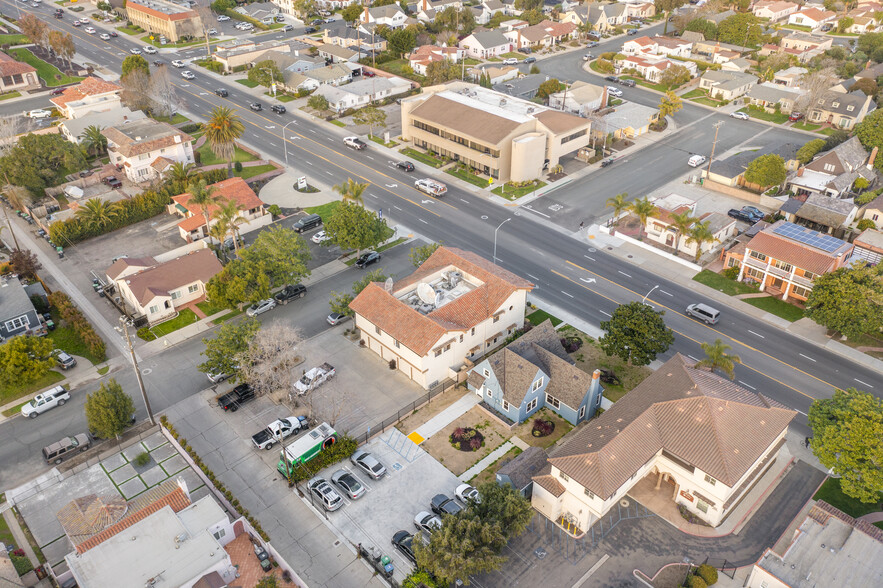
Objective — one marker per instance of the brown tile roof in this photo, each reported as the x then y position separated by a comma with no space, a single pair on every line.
699,417
144,136
200,265
161,163
87,516
798,255
120,265
235,189
419,332
91,86
466,120
11,67
550,483
561,122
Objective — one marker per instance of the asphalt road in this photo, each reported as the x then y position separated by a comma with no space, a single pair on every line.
586,283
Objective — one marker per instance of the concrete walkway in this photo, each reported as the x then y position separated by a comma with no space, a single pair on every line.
281,192
444,418
21,542
874,517
487,461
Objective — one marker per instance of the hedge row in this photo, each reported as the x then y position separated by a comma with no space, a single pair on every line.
75,319
338,452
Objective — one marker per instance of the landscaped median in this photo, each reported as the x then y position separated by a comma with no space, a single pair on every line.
514,191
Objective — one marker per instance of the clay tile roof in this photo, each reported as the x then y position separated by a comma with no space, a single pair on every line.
550,483
91,86
697,416
200,265
86,516
11,67
161,163
235,189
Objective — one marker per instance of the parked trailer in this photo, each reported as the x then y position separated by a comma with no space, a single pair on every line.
306,448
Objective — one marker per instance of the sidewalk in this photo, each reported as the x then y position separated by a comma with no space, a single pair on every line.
444,418
21,542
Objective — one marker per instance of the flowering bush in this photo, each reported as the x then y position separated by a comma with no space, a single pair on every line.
542,428
466,439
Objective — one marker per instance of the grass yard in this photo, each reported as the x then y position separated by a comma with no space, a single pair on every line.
510,193
518,56
397,66
208,308
537,317
777,306
14,40
697,93
6,537
176,119
45,71
379,141
9,95
390,245
323,210
706,102
652,86
255,170
228,316
774,117
806,126
184,318
247,83
130,30
13,391
489,474
831,493
828,131
723,284
523,430
338,123
468,176
471,61
422,157
66,339
208,157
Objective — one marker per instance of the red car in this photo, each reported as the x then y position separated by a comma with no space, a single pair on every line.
369,74
795,116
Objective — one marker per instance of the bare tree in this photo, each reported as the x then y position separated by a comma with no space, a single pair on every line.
815,84
68,49
56,42
327,403
268,363
136,90
206,16
162,92
34,29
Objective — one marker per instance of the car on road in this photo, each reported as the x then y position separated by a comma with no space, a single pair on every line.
427,522
158,63
135,51
354,143
319,237
442,504
58,15
188,75
739,115
627,82
212,32
150,50
613,79
236,397
587,57
309,30
510,61
403,541
631,32
177,63
218,378
104,37
90,30
76,23
335,318
696,160
64,448
742,215
64,360
45,401
114,34
290,292
325,494
261,307
256,106
591,44
222,92
367,259
795,116
405,165
39,113
466,494
349,484
278,109
530,59
57,92
287,28
614,91
368,464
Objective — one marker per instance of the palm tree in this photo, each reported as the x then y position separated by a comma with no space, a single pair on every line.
716,357
94,140
618,203
203,196
643,209
228,214
221,132
351,191
181,172
681,222
218,232
699,234
95,213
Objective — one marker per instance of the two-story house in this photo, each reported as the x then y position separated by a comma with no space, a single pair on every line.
17,313
774,10
73,128
426,10
390,15
684,434
533,372
145,148
833,172
251,216
806,46
841,110
91,95
455,307
785,258
486,44
422,56
543,34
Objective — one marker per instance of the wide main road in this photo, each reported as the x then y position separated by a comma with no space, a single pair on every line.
569,274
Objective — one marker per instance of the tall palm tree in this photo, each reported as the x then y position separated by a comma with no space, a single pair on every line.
351,191
221,131
618,203
681,222
93,140
228,214
181,172
218,232
203,196
643,209
699,234
95,213
716,357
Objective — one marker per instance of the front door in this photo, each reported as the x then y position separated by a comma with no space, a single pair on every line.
777,283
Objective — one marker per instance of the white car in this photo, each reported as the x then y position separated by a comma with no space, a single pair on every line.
41,113
213,31
188,75
510,61
223,18
104,37
177,63
150,50
261,307
614,91
466,493
135,51
319,237
45,401
696,160
90,30
740,115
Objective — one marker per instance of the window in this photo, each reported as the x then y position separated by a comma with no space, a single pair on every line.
701,505
377,330
488,392
473,332
461,338
438,352
496,318
850,108
16,323
757,255
192,288
219,533
809,275
799,291
710,480
582,412
783,266
538,384
829,167
486,372
836,105
153,309
531,405
397,344
176,294
563,476
589,493
505,406
552,401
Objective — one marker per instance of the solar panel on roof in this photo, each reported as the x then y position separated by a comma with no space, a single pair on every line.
809,237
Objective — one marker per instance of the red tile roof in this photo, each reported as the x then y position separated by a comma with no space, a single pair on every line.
235,189
11,67
91,86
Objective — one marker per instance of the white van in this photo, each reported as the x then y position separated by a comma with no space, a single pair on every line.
704,312
696,160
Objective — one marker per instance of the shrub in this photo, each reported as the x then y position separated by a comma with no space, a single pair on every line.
75,319
191,128
39,303
708,573
275,210
340,451
392,364
865,197
866,223
237,166
21,563
696,582
731,273
142,459
571,344
542,428
466,439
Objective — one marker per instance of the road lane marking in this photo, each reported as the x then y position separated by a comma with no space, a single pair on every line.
312,131
747,385
758,334
587,257
423,221
533,276
527,207
808,357
329,173
667,294
623,273
466,201
604,313
396,207
566,294
862,383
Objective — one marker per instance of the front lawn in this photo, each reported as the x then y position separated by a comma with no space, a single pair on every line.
489,474
723,284
523,430
806,126
208,308
176,119
255,170
777,306
831,493
390,245
706,102
50,74
281,97
514,193
518,56
379,141
9,95
323,210
66,339
760,114
247,83
208,157
184,318
130,30
422,157
396,67
228,316
537,318
697,93
338,123
13,390
465,174
652,86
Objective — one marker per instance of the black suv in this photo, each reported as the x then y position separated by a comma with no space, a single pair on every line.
367,259
221,92
308,222
441,504
278,109
290,291
238,395
627,82
742,216
613,79
405,165
256,106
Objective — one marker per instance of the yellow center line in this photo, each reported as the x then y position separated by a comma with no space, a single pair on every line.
757,371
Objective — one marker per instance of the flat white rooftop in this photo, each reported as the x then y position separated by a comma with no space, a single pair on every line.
493,102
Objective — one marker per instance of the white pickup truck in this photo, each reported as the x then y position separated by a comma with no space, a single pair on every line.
354,143
278,429
431,187
314,378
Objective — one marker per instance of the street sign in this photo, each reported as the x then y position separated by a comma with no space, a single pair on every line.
302,183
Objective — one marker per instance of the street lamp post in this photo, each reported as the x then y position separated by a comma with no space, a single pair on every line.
124,327
495,238
644,299
284,141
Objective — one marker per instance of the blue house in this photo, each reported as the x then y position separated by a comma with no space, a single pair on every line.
17,313
535,371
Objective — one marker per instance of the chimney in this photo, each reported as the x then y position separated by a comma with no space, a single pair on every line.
872,158
800,172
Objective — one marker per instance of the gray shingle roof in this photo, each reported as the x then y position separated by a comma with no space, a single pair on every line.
524,466
831,212
488,39
843,101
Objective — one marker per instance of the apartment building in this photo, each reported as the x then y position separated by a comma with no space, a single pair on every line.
161,17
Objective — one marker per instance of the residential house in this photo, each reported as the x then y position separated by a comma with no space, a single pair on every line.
708,438
422,56
790,77
727,85
162,17
159,291
581,98
869,246
362,92
737,64
337,54
345,36
862,25
455,307
240,55
17,76
847,541
497,75
252,214
657,46
626,121
805,45
720,16
651,68
91,95
603,18
335,74
826,215
17,313
874,210
693,37
486,44
485,11
145,147
425,10
833,172
390,15
263,12
535,372
811,17
785,258
716,51
641,9
303,64
774,97
525,87
513,24
660,226
520,470
730,170
73,128
774,10
841,110
543,34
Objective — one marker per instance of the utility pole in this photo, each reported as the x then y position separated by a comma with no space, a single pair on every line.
717,127
124,324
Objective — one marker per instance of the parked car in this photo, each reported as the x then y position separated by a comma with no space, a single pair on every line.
309,30
261,307
64,360
236,397
188,75
222,92
614,91
530,59
403,542
150,50
510,61
741,215
256,106
135,51
158,63
113,182
311,221
279,429
335,318
367,259
65,448
754,211
354,143
442,504
223,18
405,165
740,115
287,28
467,494
696,160
289,292
325,494
525,50
627,82
319,238
795,116
278,109
591,44
631,32
349,484
368,464
177,63
218,378
369,74
613,79
39,113
46,401
427,522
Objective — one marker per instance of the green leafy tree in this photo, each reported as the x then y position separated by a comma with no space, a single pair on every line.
505,506
265,73
643,209
704,26
809,150
38,161
669,104
848,438
135,62
870,133
740,29
351,191
401,41
636,333
25,359
281,253
340,301
228,219
533,16
421,253
181,172
93,140
351,13
304,8
618,203
718,358
547,88
221,131
97,214
464,546
766,170
439,72
231,339
109,410
866,85
675,76
848,300
317,102
354,227
865,224
682,222
844,23
239,283
371,116
700,233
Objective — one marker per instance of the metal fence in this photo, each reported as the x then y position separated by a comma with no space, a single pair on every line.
723,566
403,412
